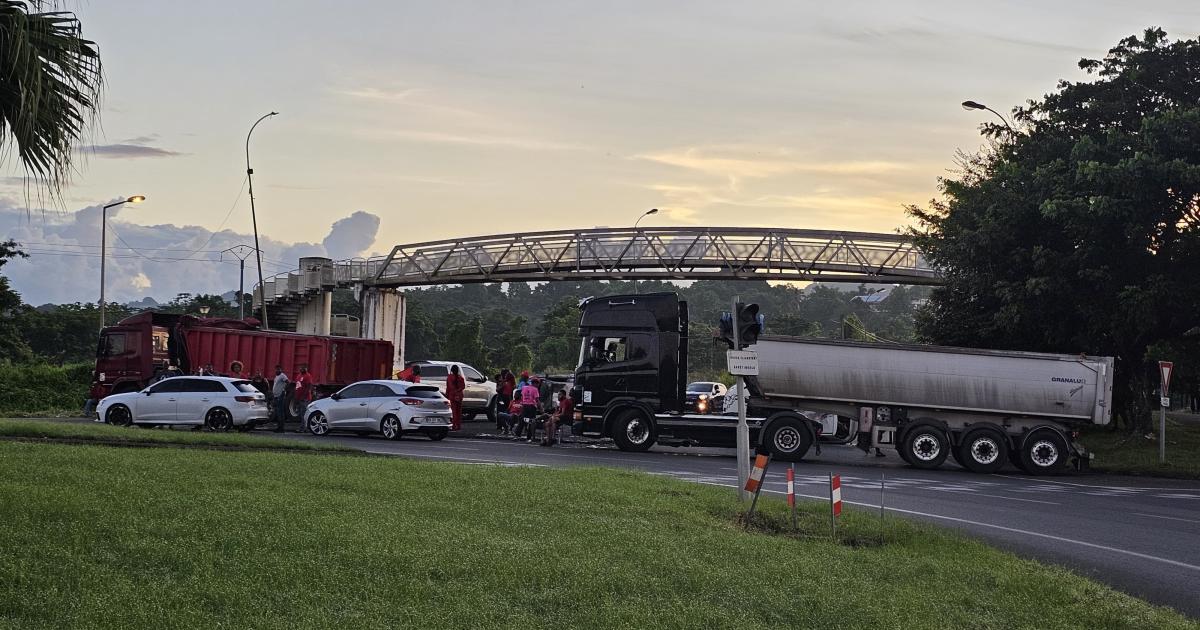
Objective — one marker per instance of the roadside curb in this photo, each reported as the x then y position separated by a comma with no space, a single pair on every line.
179,445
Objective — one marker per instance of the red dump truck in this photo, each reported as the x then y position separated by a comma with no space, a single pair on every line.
139,349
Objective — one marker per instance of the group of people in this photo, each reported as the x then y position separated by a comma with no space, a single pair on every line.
526,405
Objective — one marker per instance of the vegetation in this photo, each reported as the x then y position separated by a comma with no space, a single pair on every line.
124,436
41,389
1137,454
265,540
1080,230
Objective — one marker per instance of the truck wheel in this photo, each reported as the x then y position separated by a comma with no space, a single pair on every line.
983,451
218,419
1044,452
390,427
926,446
789,439
633,431
294,408
118,415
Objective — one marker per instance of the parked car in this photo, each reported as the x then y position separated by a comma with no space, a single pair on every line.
218,403
386,407
704,397
480,395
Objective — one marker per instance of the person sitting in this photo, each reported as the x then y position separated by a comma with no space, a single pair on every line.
564,413
510,419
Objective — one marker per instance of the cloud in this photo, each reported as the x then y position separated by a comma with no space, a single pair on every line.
376,94
479,139
130,151
737,164
64,263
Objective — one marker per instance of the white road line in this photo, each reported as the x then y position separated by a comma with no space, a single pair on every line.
1169,518
999,527
994,496
460,459
1088,485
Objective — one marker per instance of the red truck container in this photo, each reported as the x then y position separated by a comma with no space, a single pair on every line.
140,348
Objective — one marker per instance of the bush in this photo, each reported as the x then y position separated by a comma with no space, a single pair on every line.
28,388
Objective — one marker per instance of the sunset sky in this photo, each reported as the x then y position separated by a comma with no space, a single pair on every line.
451,119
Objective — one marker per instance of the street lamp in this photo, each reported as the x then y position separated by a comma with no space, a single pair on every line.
104,243
644,215
970,105
254,217
204,310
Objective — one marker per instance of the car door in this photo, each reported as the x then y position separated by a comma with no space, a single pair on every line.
157,404
198,395
350,409
476,395
382,398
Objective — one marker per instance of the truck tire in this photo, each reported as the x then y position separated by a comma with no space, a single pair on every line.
1044,452
983,450
926,446
788,439
633,431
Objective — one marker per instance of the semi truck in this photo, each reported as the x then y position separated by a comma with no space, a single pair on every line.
141,348
983,408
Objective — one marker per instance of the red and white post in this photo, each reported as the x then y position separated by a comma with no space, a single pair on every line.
835,501
791,492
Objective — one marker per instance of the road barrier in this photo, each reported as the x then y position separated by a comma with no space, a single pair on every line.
755,482
835,501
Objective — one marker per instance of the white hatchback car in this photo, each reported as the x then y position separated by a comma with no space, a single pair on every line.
218,403
387,407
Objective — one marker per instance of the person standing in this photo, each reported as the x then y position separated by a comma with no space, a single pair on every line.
279,398
456,385
235,370
505,385
303,393
529,406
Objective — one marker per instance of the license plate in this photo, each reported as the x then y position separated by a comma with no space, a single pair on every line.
434,420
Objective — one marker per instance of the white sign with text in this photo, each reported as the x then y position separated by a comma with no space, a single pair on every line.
742,362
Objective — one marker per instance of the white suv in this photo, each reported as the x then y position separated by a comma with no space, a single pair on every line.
480,394
218,403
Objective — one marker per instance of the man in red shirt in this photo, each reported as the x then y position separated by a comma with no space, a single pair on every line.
564,413
456,385
303,395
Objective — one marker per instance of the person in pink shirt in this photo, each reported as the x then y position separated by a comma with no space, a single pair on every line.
530,398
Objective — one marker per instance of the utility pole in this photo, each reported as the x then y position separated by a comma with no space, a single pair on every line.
262,298
104,244
241,252
743,430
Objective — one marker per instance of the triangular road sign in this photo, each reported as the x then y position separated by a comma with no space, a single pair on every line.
1164,368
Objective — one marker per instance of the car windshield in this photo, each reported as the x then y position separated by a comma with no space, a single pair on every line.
422,392
700,387
245,386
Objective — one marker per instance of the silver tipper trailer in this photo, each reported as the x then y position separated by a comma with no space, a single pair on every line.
983,407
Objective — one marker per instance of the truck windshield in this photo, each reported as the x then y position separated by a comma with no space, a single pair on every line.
112,344
605,350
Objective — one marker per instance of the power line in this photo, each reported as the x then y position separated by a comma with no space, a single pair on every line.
226,219
82,246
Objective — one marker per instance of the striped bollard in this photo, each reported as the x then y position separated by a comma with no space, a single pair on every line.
791,496
835,502
754,483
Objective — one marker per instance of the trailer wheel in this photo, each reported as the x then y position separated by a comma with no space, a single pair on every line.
390,427
1044,452
983,451
295,408
788,439
218,419
118,415
633,431
926,446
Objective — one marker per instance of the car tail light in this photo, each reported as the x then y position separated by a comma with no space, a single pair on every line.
244,399
414,402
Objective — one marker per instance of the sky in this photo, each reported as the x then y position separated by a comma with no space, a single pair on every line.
403,122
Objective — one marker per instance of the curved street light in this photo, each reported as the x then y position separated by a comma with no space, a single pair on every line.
970,105
644,215
254,218
104,243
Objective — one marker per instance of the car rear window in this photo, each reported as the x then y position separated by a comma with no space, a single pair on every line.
418,391
433,371
246,386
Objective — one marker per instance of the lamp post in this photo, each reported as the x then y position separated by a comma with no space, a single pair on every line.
970,105
644,215
254,218
104,243
241,252
204,310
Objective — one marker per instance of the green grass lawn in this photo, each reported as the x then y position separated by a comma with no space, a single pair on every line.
1122,453
98,537
95,432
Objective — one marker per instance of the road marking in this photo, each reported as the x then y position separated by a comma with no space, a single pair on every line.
994,496
999,527
1087,485
1169,518
460,459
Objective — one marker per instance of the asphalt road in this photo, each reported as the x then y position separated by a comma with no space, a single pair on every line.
1141,536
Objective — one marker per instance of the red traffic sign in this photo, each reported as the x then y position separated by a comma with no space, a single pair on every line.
1164,368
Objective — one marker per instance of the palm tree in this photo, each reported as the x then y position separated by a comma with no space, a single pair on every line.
50,85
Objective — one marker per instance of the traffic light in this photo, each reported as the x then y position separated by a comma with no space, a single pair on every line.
749,323
726,330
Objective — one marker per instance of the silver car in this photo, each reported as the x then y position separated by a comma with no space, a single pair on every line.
390,408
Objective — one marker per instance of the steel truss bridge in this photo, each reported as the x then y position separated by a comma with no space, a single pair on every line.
650,253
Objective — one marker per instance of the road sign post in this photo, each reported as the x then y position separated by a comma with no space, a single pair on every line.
743,430
1164,370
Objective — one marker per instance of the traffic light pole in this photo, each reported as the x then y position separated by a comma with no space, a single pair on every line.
743,430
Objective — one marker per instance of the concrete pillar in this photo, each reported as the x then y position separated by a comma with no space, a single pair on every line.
383,315
313,318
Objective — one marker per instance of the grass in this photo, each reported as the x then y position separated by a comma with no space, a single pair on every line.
116,538
107,434
42,389
1120,452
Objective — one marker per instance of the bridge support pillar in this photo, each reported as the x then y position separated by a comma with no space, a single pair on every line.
383,315
314,316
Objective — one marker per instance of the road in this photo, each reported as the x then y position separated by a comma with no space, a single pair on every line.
1141,536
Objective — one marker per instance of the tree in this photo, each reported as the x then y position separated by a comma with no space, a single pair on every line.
1080,231
464,342
12,345
52,82
558,336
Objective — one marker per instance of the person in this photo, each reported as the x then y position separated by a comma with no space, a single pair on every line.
412,374
563,413
506,384
529,405
510,419
260,383
303,394
279,398
235,370
93,399
456,385
546,394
